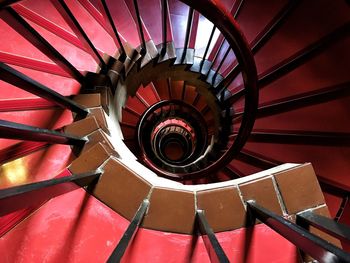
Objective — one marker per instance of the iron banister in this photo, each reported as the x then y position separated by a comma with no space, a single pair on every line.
311,244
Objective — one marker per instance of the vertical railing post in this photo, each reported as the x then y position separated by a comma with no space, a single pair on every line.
109,20
73,23
214,249
207,48
18,79
129,233
164,8
311,244
21,26
86,178
140,31
327,225
188,33
17,131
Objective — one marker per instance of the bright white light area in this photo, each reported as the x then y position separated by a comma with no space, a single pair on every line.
204,29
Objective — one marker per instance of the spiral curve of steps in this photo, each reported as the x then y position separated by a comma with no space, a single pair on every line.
183,95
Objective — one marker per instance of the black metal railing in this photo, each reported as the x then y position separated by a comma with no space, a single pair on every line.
212,245
22,81
309,243
73,23
83,179
14,20
129,234
222,152
325,224
115,34
229,34
17,131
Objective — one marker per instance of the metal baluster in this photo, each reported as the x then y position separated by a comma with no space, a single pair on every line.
188,33
18,79
164,25
214,249
115,31
140,31
14,20
17,131
311,244
68,16
22,189
207,48
129,233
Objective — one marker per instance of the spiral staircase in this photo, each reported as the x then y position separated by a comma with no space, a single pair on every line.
174,131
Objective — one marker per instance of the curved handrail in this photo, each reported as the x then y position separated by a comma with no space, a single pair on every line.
225,23
223,20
